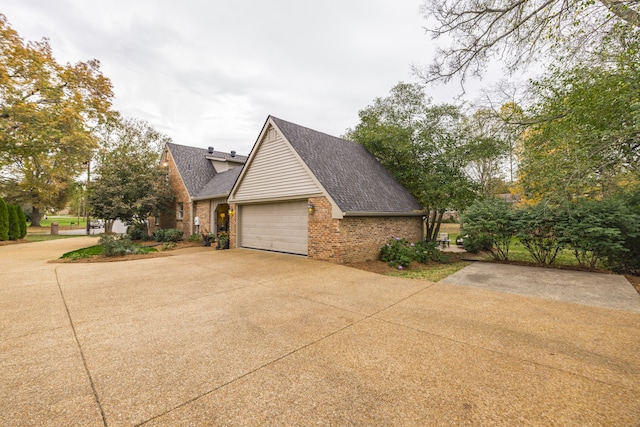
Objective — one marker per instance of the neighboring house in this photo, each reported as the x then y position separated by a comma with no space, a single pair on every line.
201,181
309,193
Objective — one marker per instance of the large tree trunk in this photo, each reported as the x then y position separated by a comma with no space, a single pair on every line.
108,225
35,216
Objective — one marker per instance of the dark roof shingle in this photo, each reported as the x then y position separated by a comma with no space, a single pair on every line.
220,185
352,176
197,171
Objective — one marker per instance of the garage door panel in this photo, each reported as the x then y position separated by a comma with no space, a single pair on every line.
275,226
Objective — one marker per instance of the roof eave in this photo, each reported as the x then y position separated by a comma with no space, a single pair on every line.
380,214
217,196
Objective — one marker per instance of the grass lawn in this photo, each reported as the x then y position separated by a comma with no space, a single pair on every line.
433,272
64,221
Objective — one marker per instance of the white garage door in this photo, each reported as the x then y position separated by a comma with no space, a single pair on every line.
278,227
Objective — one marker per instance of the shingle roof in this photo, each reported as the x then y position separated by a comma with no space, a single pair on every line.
351,175
220,185
197,171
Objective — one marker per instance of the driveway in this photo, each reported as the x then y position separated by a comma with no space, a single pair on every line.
244,337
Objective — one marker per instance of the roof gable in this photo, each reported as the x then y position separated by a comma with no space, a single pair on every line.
351,175
274,171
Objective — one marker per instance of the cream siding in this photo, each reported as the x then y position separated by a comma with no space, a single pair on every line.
275,172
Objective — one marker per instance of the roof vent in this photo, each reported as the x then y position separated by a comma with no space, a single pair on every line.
233,153
210,150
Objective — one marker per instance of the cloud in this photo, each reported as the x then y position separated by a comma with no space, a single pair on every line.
209,72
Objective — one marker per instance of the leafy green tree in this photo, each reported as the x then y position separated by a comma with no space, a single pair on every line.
130,184
48,114
584,138
494,220
423,146
14,222
4,220
488,149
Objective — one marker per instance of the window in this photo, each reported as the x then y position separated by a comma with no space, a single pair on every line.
180,211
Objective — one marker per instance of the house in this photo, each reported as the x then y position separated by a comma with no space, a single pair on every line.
201,180
305,192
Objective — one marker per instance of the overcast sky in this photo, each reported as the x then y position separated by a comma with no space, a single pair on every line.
208,73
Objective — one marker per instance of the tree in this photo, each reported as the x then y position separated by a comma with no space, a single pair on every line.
14,222
48,113
489,149
522,31
492,220
22,222
130,184
422,145
584,133
4,220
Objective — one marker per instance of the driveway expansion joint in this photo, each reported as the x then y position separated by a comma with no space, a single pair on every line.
84,360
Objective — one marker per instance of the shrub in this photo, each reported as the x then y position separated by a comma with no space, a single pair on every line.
476,242
628,260
22,221
490,225
398,252
194,238
137,231
223,240
14,224
537,230
595,229
116,245
4,221
168,235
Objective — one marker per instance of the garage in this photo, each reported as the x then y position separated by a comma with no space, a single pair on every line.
281,227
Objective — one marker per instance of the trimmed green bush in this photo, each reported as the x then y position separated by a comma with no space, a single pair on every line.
4,220
538,231
116,245
14,222
490,224
22,220
168,235
596,229
137,231
398,252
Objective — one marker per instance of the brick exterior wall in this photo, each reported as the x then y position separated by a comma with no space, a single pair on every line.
233,235
180,193
203,211
351,239
354,239
362,237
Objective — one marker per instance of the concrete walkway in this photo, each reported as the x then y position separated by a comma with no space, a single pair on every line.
598,290
252,338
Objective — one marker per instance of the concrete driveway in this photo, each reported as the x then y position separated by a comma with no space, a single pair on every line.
252,338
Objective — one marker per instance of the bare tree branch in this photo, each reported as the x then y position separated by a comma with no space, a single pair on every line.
518,31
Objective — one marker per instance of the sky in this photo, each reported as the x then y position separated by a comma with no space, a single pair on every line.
209,73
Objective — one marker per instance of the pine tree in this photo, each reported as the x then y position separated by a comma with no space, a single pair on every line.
14,226
4,221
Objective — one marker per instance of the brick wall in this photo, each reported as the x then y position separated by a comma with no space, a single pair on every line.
170,220
363,237
203,211
354,239
233,235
